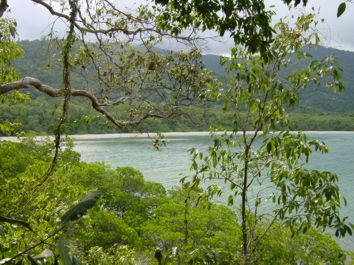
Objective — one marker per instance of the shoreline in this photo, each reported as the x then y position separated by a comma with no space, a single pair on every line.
83,137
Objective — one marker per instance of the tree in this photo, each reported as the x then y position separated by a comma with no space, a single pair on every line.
108,39
117,33
121,48
9,51
131,218
265,170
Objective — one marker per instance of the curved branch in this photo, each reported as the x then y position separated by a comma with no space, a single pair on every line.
31,82
28,82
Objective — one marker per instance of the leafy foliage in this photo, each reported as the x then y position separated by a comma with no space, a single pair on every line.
9,50
130,219
318,108
247,22
137,219
4,219
262,167
341,9
81,207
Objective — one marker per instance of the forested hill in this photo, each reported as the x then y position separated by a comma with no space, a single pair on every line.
319,109
318,100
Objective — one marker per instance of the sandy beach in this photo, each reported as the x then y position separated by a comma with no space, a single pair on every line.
82,137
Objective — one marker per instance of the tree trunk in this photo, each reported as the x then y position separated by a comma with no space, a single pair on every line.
243,210
3,7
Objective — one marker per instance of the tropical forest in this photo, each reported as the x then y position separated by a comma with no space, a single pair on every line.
125,140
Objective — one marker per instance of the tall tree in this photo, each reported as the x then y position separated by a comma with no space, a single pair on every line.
120,46
265,171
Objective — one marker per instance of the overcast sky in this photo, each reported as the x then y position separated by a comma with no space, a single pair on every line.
34,21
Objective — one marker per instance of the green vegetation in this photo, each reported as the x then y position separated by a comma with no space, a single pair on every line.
83,120
260,165
131,219
110,65
318,109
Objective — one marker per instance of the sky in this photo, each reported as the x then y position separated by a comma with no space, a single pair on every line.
34,21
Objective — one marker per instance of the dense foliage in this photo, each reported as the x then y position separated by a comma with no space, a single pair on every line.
109,59
131,219
318,109
260,165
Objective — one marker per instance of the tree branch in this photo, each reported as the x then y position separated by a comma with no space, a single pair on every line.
3,7
141,25
84,28
30,82
41,242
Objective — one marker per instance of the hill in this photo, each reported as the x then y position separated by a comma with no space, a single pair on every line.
319,108
316,99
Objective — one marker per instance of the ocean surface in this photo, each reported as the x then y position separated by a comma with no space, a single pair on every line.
172,162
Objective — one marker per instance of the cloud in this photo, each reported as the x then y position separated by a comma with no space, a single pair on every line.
34,21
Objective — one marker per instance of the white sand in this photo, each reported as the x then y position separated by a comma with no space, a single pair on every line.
81,137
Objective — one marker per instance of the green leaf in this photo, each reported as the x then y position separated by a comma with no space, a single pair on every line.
258,202
225,104
162,2
4,219
81,208
230,200
64,253
341,9
269,147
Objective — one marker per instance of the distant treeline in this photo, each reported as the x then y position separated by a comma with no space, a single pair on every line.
39,116
319,109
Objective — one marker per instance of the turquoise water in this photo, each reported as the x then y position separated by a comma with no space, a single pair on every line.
171,163
164,166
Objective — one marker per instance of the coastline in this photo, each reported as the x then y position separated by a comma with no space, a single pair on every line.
83,137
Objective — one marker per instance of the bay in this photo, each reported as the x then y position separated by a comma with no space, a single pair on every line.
169,164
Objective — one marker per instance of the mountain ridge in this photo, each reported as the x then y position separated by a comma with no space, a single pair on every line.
315,99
